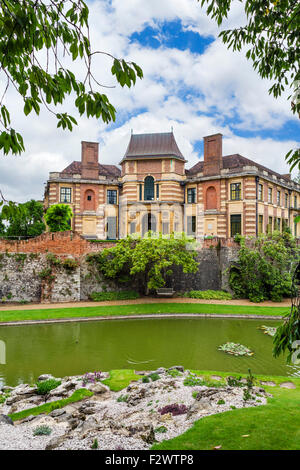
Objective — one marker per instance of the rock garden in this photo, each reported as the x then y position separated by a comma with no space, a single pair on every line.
88,412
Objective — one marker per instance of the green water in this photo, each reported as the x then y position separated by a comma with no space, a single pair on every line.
75,348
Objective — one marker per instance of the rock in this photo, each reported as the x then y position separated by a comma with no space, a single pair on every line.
24,390
269,383
203,404
99,388
150,436
45,377
28,419
216,377
56,441
4,419
160,370
63,389
73,423
88,425
6,388
136,396
287,385
57,412
179,368
166,417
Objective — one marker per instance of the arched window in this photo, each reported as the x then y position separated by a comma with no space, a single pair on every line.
89,200
149,188
211,198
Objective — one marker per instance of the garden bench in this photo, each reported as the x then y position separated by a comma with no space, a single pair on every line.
165,291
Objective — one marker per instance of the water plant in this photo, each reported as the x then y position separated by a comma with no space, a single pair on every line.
268,330
235,349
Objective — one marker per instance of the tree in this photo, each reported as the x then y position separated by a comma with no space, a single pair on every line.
265,269
22,220
272,32
147,261
58,217
55,28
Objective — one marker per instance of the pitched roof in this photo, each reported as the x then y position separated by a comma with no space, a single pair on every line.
233,163
152,145
104,170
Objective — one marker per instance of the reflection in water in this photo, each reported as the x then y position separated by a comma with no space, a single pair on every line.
75,348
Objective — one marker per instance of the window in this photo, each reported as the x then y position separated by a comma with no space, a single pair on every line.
235,224
295,228
270,222
65,194
191,225
191,195
270,195
295,202
149,188
260,224
141,191
260,192
235,191
157,191
278,198
165,228
286,199
111,196
132,227
276,223
111,228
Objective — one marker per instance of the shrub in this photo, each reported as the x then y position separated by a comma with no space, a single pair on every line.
208,294
174,373
44,387
192,381
122,398
145,379
95,444
122,295
42,431
154,376
161,429
174,409
221,402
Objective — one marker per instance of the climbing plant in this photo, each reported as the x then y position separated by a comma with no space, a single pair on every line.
264,270
148,261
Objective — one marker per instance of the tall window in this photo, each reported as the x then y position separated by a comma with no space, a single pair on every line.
111,196
141,191
65,194
235,191
260,192
286,199
191,225
165,228
278,198
270,195
295,202
157,191
132,227
191,195
149,188
277,223
295,229
260,224
270,222
235,224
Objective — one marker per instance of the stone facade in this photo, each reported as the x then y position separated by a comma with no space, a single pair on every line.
29,271
219,196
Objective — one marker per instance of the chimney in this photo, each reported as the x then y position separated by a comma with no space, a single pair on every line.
89,160
213,162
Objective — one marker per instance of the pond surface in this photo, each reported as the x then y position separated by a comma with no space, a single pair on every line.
144,344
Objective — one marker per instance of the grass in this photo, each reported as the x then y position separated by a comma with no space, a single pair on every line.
138,309
78,395
275,426
120,378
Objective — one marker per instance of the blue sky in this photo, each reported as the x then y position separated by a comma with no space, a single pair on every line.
191,83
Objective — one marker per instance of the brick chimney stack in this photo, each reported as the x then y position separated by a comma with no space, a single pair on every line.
89,160
213,162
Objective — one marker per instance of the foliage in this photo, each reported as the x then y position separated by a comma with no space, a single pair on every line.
78,395
234,381
192,380
287,334
4,396
161,429
174,409
42,431
122,295
264,271
95,444
221,402
22,220
146,261
36,36
270,39
122,398
208,294
236,349
174,373
154,376
58,217
120,378
45,386
145,379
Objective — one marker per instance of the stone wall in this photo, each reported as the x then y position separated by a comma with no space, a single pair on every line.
28,275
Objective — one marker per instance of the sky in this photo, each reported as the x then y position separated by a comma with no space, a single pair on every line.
192,83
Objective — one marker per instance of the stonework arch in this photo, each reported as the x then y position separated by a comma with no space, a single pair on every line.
89,200
211,198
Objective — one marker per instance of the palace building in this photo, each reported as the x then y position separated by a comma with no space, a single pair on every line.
152,190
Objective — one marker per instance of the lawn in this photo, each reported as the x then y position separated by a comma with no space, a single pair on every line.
138,309
275,426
